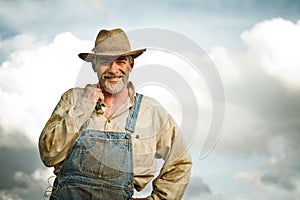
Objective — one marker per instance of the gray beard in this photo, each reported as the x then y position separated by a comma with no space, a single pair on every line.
113,89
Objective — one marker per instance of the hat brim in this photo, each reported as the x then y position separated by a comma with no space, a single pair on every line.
89,57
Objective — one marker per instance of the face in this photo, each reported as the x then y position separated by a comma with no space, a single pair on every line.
113,76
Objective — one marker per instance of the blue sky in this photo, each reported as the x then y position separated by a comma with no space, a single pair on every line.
209,23
253,45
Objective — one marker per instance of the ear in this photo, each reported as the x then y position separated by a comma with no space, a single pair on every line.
132,63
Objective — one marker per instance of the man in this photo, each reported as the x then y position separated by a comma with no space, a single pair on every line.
103,140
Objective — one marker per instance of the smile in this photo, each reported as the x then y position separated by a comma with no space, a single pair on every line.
112,77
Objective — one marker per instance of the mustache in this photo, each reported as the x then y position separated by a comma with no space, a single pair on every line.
110,75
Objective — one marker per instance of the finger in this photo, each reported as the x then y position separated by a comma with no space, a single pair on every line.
91,85
100,93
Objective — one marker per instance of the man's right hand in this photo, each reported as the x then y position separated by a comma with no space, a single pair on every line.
93,93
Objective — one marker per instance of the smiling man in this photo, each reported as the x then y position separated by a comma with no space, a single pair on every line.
104,140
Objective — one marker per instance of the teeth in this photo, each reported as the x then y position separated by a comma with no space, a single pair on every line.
110,77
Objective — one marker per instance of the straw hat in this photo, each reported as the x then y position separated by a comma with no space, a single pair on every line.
111,43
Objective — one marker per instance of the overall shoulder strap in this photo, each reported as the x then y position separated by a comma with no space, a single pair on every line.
132,117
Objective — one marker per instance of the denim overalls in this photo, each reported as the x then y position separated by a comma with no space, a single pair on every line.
99,165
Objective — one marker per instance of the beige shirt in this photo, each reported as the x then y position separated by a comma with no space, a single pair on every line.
156,136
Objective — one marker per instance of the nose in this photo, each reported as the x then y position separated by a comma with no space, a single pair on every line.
113,68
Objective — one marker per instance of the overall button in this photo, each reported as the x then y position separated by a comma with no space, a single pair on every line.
127,136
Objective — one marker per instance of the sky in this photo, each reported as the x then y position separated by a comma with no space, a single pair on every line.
253,45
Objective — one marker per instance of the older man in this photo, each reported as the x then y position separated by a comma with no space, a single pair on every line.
104,140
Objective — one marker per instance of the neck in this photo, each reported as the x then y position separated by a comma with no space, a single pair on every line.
115,100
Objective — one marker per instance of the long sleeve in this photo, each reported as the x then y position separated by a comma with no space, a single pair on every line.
62,129
175,174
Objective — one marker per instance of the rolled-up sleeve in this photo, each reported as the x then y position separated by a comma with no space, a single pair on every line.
63,126
175,174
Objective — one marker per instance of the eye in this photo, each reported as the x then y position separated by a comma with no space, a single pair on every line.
121,62
104,64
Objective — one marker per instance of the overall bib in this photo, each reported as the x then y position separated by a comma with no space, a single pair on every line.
99,165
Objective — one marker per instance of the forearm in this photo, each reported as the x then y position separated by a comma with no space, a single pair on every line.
56,138
62,129
171,184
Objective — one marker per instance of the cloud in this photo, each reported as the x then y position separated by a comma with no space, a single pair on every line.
18,42
15,137
22,173
280,172
262,115
31,80
197,189
27,186
287,183
268,106
260,186
275,44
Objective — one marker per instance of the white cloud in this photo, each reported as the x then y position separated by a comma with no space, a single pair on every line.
262,113
279,173
276,44
245,132
225,62
255,180
30,180
32,80
260,106
19,42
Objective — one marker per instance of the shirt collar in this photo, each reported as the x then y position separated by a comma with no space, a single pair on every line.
131,93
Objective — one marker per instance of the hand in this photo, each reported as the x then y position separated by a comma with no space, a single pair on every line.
93,93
